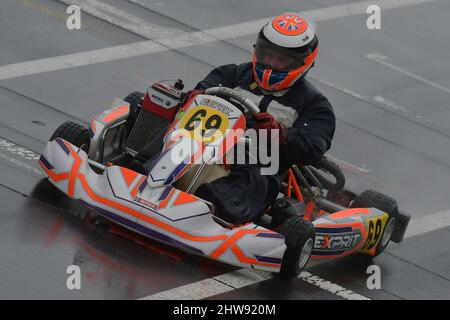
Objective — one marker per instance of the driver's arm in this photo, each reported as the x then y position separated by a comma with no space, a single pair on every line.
310,136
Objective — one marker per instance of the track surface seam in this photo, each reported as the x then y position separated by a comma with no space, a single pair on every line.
417,266
41,103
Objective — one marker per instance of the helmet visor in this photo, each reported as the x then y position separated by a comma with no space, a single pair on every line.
276,57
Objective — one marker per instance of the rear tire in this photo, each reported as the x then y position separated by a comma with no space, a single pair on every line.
375,199
299,238
74,133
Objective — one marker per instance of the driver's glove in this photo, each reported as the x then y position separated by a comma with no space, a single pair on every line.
265,121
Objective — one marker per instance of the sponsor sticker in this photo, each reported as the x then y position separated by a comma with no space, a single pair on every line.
146,203
217,105
334,241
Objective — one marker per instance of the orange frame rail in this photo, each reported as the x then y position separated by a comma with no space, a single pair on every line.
292,183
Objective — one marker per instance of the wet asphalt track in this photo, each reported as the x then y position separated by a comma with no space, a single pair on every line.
393,135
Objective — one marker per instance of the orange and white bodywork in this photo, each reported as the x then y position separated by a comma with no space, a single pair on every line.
185,221
349,231
153,207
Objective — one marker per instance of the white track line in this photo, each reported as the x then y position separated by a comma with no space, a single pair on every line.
18,150
379,58
331,287
213,286
11,148
183,39
123,19
379,99
428,223
321,14
241,278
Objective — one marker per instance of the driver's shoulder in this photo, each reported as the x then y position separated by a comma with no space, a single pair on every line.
303,88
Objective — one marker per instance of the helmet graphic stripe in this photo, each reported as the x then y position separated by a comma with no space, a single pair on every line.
298,72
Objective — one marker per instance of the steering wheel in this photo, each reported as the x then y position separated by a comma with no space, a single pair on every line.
229,93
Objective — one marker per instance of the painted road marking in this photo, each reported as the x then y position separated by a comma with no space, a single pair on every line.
19,163
241,278
393,105
213,286
123,19
12,148
331,287
245,277
379,99
347,166
181,40
379,58
18,150
428,223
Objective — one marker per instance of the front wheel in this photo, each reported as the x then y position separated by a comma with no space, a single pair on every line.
374,199
74,133
299,238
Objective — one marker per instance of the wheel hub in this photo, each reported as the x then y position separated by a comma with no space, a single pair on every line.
389,230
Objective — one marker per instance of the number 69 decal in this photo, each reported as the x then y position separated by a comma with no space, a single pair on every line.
374,227
205,123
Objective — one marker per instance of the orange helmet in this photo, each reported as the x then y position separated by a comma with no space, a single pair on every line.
284,51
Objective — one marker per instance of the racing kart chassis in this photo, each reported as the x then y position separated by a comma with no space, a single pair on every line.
314,218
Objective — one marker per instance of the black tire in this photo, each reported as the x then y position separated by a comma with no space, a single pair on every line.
375,199
299,237
135,100
74,133
284,208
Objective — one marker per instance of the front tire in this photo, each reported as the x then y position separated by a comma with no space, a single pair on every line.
299,238
375,199
74,133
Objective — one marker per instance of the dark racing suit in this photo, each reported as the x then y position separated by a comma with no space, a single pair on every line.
309,117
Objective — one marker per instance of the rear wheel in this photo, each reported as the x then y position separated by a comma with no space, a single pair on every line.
299,238
375,199
74,133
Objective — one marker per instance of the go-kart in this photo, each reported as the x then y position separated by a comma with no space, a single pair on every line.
314,217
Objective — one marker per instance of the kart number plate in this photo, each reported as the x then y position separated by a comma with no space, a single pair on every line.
205,123
375,228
